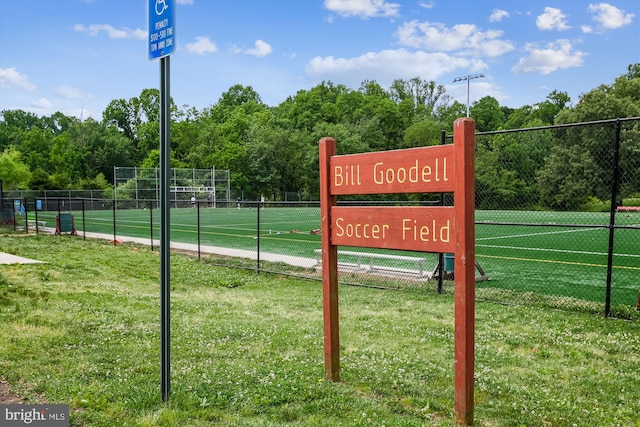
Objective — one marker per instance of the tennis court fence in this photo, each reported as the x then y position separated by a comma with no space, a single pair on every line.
557,223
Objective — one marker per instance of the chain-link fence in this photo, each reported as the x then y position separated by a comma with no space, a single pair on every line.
141,184
557,223
558,216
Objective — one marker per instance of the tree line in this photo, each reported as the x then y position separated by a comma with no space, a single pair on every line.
273,150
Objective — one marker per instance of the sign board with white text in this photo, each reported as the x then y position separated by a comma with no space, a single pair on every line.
162,36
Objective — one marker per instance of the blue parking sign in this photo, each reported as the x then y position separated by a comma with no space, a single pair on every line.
162,34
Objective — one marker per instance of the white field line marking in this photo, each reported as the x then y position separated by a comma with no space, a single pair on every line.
557,250
541,234
549,250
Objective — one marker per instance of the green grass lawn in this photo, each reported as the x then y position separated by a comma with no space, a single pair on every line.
246,348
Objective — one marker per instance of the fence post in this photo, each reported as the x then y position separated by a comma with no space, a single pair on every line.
58,219
258,237
151,222
35,205
84,222
198,213
612,215
113,209
26,217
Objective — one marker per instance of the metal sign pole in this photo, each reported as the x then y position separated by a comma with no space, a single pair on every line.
165,239
161,45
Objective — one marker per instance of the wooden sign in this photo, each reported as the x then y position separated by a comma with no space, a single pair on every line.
414,170
445,168
406,228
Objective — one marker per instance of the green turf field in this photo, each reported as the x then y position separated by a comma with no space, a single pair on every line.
550,260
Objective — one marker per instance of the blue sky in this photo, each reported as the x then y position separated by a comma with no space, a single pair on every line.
75,56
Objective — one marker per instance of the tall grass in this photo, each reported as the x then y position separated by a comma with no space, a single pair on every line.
83,329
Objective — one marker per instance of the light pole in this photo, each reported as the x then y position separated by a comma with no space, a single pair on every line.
467,78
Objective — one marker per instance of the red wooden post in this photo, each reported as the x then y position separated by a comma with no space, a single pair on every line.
329,266
464,266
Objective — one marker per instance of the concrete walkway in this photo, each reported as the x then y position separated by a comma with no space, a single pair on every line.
13,259
218,250
204,249
238,253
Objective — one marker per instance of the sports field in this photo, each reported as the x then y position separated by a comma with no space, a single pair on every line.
545,258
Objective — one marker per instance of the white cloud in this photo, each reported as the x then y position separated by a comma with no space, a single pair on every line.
112,33
498,15
461,38
426,5
388,65
362,8
69,92
586,29
42,103
185,2
261,48
10,77
552,19
555,56
201,46
234,49
610,17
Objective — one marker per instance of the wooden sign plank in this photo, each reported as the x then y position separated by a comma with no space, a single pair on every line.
413,228
413,170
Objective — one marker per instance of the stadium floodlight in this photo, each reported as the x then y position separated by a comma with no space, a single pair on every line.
468,77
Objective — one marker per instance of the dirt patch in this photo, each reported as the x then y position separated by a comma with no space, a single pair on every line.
6,397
